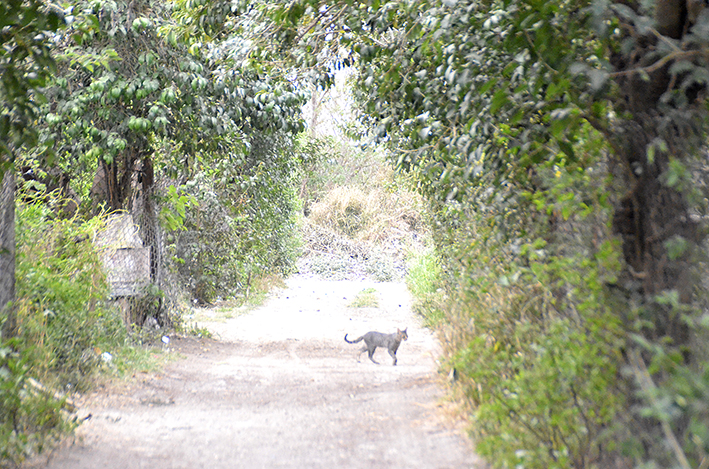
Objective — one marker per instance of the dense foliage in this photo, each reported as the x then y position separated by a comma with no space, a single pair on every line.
189,138
120,82
26,65
62,311
236,232
174,132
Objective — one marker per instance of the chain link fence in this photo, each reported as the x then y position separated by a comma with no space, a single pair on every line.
132,251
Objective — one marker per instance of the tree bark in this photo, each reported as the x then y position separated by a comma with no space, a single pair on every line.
7,254
653,213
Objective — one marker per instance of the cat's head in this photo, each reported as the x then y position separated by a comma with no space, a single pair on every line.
402,334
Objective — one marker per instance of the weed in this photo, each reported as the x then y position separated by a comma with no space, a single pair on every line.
67,331
197,331
367,298
29,421
130,359
61,290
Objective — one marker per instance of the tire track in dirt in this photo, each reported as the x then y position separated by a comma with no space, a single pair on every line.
281,388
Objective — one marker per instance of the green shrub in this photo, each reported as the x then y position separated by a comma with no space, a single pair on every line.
241,224
29,419
423,279
672,388
63,326
62,314
538,371
528,328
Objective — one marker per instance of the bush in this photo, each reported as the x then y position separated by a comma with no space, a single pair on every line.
423,279
63,325
62,314
536,346
28,420
242,224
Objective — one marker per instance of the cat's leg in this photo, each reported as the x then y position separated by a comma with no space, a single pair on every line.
371,354
393,355
361,351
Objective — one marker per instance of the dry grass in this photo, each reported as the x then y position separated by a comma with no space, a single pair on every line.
373,216
366,230
361,218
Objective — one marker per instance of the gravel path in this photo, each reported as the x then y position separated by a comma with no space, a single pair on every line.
279,387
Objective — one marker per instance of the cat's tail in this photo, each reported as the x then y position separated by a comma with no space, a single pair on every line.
353,341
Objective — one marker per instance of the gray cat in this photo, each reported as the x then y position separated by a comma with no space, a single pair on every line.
377,339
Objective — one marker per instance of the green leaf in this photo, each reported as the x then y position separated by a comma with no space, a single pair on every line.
676,247
488,86
499,99
568,149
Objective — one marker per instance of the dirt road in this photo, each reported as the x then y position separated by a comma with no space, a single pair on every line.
281,388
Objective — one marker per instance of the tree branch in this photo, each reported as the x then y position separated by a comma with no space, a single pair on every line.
677,55
317,20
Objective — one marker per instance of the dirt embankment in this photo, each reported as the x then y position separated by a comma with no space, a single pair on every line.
279,387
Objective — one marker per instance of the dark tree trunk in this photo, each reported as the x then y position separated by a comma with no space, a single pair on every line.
112,183
7,254
651,215
654,213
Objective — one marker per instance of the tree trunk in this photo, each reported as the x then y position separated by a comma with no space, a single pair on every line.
651,215
653,212
7,254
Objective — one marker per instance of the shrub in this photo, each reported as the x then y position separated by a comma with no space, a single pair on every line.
535,344
242,223
63,325
28,420
62,314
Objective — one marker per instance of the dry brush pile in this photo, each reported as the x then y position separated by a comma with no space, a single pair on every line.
362,229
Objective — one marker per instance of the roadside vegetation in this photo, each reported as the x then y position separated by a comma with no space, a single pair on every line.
68,332
206,159
424,280
107,115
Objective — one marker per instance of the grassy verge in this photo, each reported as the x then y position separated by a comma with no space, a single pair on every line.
367,298
422,280
68,334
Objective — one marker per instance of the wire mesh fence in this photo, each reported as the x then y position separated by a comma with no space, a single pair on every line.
131,247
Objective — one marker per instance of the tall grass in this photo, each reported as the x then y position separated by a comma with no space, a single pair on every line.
423,280
62,312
